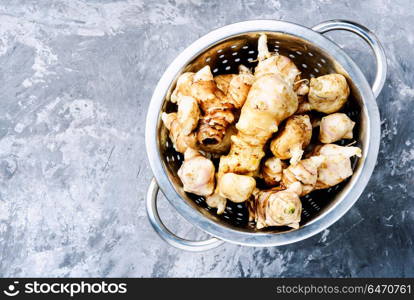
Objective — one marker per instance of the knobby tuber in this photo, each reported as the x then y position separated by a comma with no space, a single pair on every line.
335,127
180,140
236,188
217,109
328,93
272,171
269,102
277,207
197,173
294,137
236,86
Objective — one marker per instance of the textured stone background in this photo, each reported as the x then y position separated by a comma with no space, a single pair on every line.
76,78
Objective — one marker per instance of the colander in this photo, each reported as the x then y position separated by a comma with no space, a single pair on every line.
224,49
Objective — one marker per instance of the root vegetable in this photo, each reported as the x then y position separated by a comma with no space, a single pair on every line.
335,127
236,86
305,173
332,149
329,166
224,145
197,173
335,170
294,137
328,93
216,107
183,87
275,63
188,114
180,140
301,87
337,166
272,171
282,65
269,102
277,207
236,188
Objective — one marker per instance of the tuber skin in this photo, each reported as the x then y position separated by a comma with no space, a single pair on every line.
197,173
328,93
269,102
272,171
188,114
332,149
236,188
180,140
275,63
236,86
216,107
185,120
223,82
337,166
329,166
282,65
335,127
183,87
305,173
222,147
294,137
277,207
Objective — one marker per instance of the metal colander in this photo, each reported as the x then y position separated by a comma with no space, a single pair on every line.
224,50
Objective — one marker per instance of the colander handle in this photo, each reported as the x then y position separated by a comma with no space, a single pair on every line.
368,36
167,235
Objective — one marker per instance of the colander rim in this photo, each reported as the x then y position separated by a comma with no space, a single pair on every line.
354,188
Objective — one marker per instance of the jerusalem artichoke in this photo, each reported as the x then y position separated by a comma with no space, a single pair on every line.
269,102
328,93
305,172
236,86
272,171
335,127
236,188
277,207
183,87
216,107
197,173
337,166
188,114
294,137
180,140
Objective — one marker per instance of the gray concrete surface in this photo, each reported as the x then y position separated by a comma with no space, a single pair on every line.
76,77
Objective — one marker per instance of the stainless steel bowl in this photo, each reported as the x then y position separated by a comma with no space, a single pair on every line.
224,49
